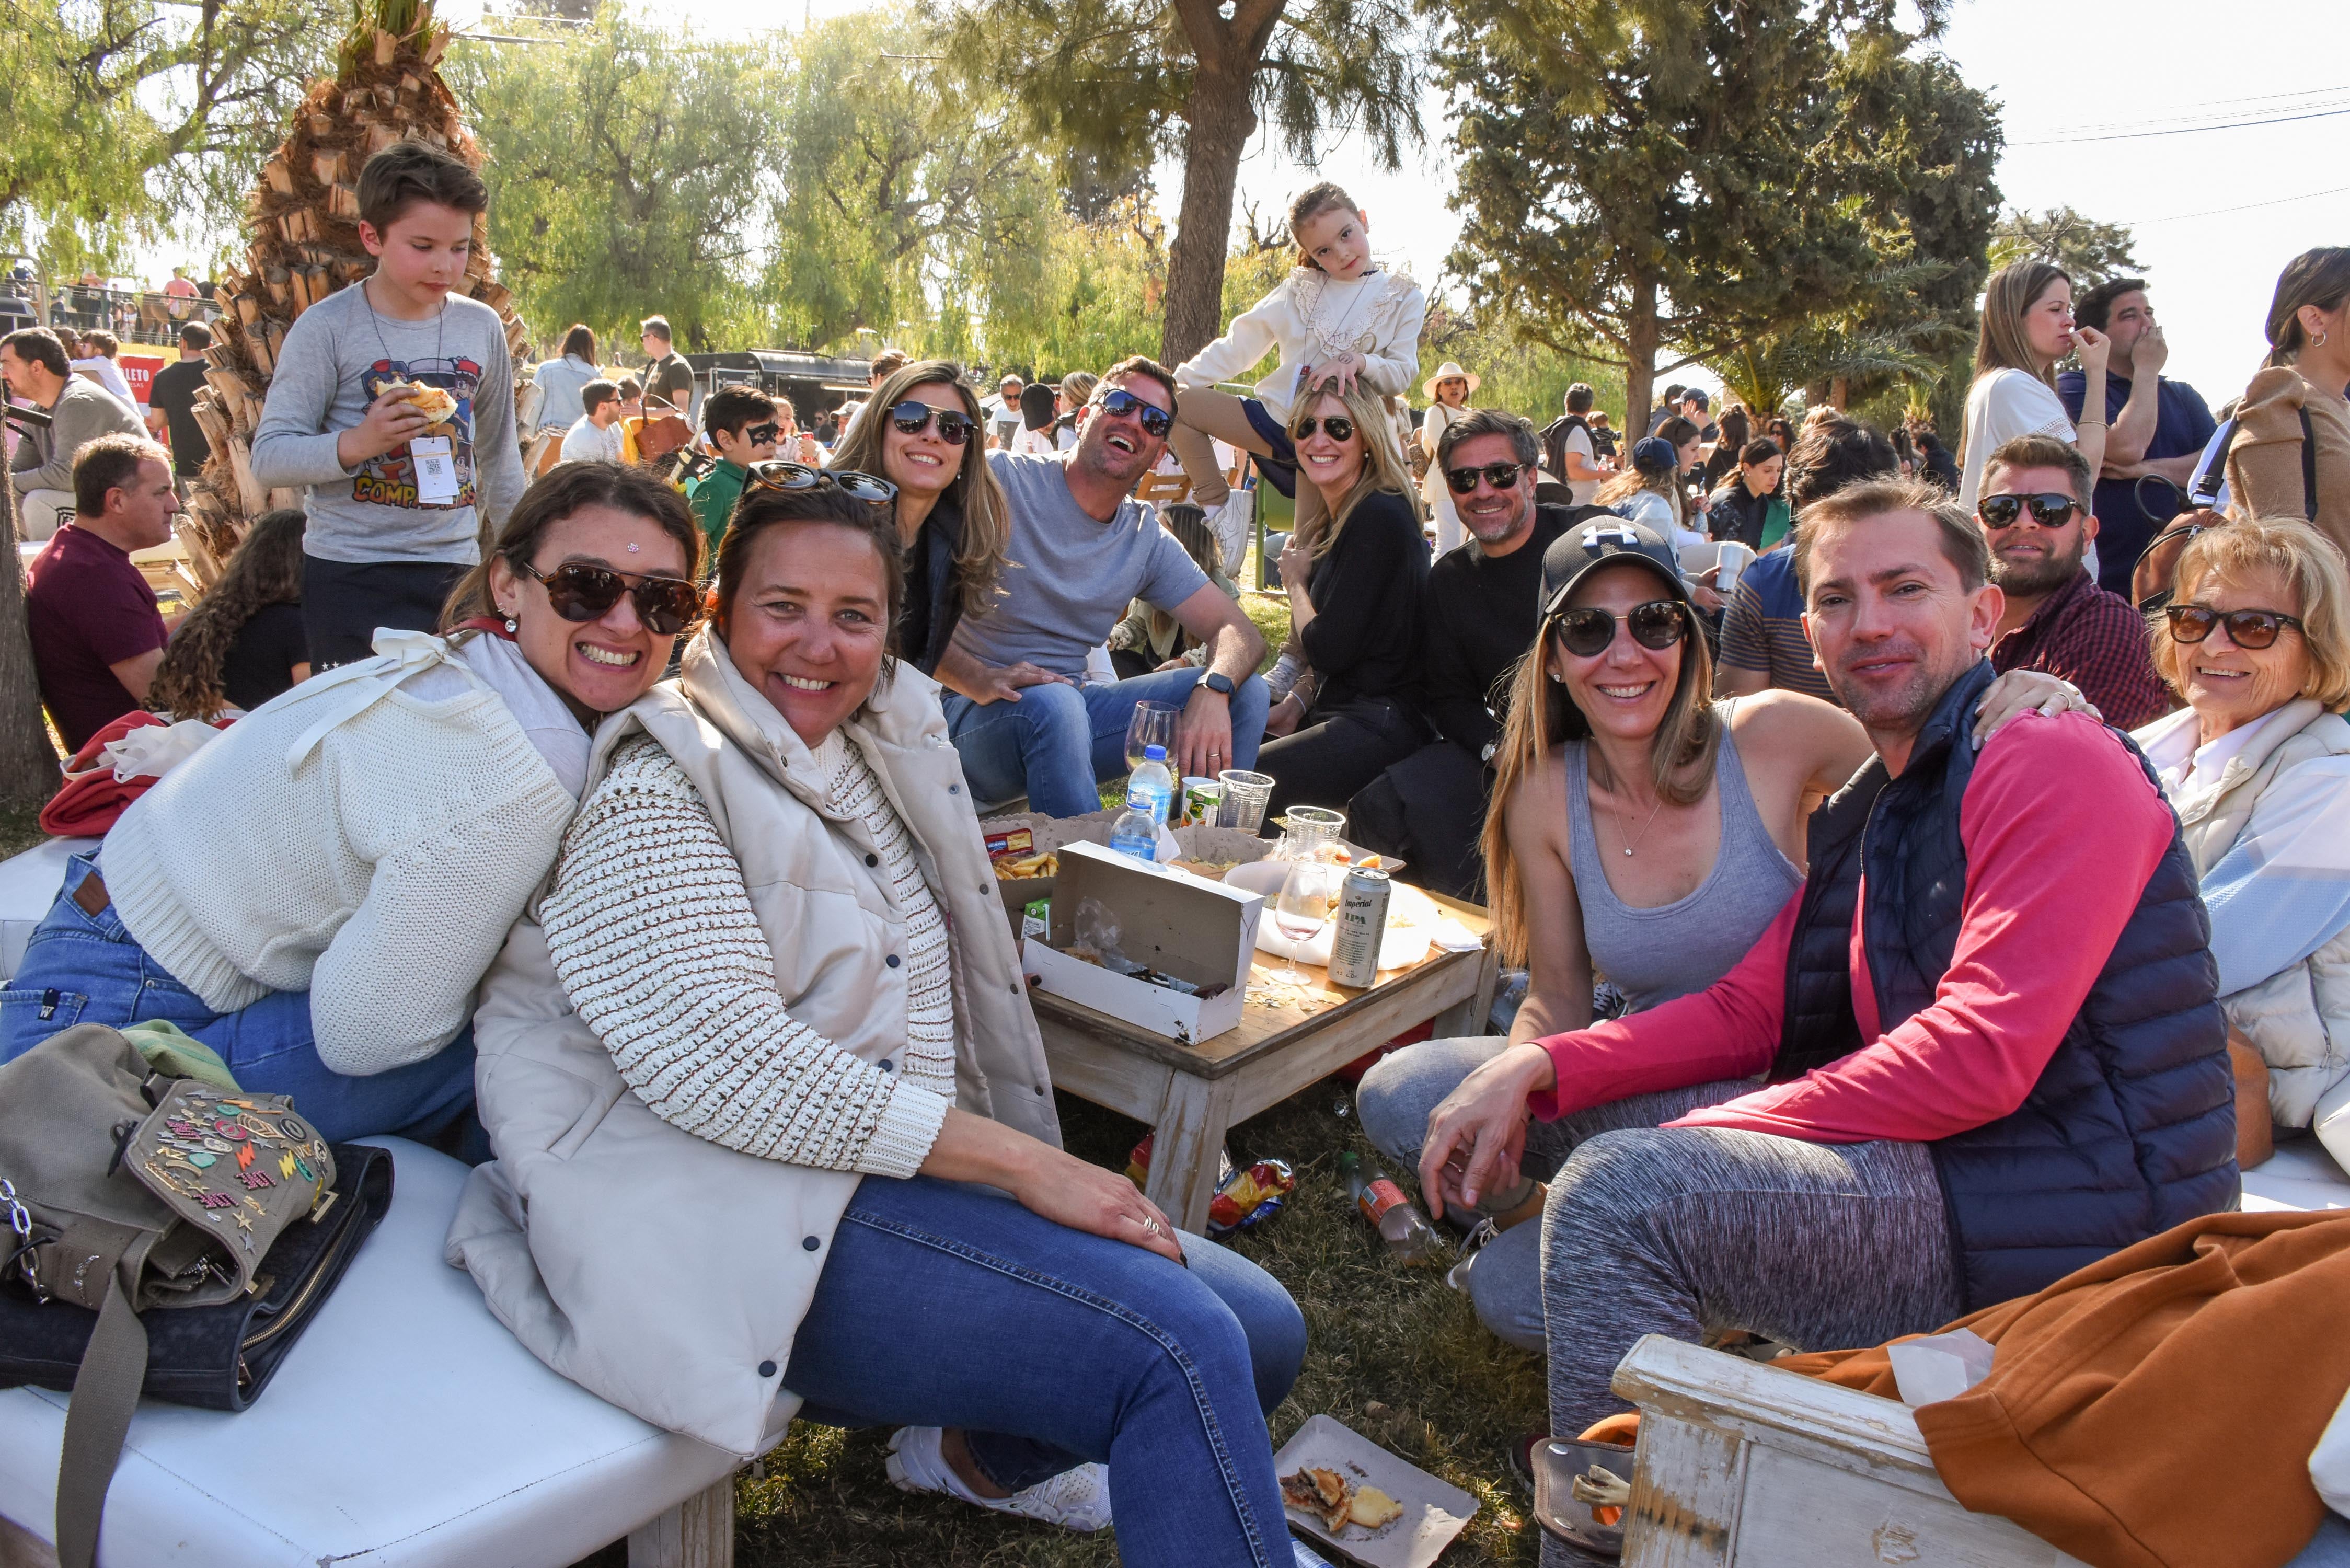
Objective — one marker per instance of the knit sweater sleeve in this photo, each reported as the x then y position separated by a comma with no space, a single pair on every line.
653,936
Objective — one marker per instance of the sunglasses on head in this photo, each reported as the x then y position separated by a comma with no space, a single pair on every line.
582,592
1656,626
1156,422
780,475
1338,427
1500,475
2049,509
913,416
2247,628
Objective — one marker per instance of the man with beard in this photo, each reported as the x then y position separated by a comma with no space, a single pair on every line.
1083,548
1995,1058
1476,620
2035,511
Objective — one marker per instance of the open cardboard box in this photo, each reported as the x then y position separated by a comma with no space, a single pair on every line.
1183,926
1057,832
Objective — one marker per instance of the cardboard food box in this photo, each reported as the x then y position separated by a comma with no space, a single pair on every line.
1212,845
1197,932
1433,1511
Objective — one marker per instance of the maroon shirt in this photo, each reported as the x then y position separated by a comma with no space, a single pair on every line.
2095,641
87,608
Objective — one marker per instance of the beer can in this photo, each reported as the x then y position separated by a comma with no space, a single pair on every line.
1362,923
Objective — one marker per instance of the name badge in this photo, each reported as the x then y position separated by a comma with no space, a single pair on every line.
436,469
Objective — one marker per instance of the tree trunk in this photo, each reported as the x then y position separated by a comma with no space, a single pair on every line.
28,763
1641,359
1839,393
1219,124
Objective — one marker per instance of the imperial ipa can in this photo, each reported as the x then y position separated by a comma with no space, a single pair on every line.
1362,922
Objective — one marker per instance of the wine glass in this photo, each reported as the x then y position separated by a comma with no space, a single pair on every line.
1301,910
1153,724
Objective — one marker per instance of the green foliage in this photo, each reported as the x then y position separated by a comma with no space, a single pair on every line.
125,119
2089,251
1524,376
1637,176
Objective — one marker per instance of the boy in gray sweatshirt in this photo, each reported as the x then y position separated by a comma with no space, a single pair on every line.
398,507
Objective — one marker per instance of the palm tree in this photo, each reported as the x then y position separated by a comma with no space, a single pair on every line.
304,245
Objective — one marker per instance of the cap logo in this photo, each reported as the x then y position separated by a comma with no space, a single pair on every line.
1622,538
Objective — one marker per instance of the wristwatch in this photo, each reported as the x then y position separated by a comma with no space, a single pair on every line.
1219,683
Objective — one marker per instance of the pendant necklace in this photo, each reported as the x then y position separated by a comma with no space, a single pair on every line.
1624,816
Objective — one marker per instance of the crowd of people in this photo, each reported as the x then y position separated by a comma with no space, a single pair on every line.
653,783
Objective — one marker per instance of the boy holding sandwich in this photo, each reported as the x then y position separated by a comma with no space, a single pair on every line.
393,406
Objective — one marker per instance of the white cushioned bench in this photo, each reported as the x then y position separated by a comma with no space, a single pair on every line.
406,1428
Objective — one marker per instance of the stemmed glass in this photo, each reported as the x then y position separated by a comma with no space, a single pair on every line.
1301,910
1153,724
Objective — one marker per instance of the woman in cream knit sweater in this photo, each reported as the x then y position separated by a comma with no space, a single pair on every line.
316,893
772,1118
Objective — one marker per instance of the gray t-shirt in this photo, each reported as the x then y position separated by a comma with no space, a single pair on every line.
1072,575
326,376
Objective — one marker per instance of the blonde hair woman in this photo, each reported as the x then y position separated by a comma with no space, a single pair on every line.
920,434
2027,329
2257,639
1354,606
1448,403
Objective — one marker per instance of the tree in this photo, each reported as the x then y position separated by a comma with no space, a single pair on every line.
2089,252
1123,80
1638,179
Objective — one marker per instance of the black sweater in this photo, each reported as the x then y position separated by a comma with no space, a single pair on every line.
1367,594
1478,618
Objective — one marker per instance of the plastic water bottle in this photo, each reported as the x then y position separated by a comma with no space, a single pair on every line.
1136,831
1153,783
1401,1224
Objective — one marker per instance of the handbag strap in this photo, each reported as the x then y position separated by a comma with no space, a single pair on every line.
105,1394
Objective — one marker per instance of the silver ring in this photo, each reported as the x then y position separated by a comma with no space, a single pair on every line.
1152,1227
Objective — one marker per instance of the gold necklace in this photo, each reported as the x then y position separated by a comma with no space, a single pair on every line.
1634,843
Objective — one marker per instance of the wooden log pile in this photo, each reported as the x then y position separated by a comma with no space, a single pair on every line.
303,245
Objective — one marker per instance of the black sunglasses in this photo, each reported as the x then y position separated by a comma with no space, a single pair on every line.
1339,426
779,474
1156,422
2247,628
1656,626
1500,475
2049,509
913,416
581,592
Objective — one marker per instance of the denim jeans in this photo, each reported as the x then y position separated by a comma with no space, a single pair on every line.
1058,742
81,968
951,1305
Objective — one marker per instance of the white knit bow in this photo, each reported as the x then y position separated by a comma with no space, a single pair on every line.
398,655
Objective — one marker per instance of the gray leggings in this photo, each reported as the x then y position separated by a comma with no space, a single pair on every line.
1683,1231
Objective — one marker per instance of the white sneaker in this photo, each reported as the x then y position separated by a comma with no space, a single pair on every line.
1075,1500
1233,522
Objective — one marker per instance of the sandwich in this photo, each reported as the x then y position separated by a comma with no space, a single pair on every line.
436,405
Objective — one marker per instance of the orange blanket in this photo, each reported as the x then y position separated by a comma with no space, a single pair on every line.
2157,1409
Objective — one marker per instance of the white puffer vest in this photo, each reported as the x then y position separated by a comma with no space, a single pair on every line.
664,1272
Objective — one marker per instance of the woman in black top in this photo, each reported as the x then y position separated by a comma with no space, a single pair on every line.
242,644
1354,603
922,434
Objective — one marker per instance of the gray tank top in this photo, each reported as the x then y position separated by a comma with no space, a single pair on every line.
1655,955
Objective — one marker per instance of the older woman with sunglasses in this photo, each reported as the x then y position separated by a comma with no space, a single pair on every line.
838,1186
2257,639
1639,831
1354,591
317,892
952,515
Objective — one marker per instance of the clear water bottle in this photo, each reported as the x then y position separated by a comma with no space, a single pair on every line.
1401,1224
1136,831
1153,782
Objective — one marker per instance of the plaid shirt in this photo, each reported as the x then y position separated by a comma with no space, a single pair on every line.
2094,639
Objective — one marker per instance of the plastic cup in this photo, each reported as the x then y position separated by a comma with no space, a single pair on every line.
1735,558
1246,795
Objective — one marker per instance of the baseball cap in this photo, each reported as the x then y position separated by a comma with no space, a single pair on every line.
1590,546
1654,454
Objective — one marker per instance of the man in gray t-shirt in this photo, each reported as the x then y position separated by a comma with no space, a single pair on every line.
1081,549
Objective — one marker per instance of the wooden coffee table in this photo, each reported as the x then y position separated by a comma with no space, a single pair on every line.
1288,1038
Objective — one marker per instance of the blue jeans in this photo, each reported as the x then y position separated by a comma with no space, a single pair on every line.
1058,742
951,1305
81,968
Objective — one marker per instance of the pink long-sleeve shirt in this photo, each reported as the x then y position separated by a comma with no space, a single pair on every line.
2062,830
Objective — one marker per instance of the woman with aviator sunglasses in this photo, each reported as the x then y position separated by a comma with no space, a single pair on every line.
1354,591
1638,830
2257,765
315,894
953,518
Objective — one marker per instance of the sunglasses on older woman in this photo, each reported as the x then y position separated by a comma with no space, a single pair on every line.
780,475
581,592
2248,628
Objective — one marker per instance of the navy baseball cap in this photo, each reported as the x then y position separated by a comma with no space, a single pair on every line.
1596,544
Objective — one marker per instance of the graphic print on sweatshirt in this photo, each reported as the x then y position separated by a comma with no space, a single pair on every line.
391,480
